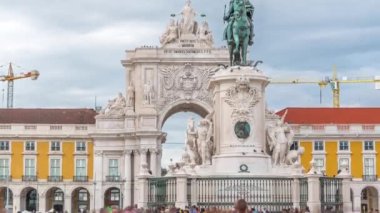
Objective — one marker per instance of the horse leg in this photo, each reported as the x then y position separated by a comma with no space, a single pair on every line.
244,49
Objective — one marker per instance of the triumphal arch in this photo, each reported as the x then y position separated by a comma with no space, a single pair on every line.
239,149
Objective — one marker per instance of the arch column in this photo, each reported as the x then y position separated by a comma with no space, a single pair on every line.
67,203
98,179
41,203
128,178
153,162
16,202
136,172
143,158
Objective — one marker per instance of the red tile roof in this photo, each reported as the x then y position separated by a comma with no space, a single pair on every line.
47,116
332,115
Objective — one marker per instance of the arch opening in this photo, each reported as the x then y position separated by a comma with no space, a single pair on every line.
29,199
55,200
80,200
112,198
369,199
6,198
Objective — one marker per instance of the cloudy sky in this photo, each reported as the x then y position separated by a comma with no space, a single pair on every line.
77,47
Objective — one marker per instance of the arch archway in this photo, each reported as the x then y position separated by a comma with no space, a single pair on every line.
29,199
112,198
55,200
80,200
198,107
6,198
369,199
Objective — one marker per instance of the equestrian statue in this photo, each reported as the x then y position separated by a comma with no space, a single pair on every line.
239,31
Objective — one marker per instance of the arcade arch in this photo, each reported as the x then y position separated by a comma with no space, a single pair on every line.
112,198
80,200
6,197
55,199
369,199
29,199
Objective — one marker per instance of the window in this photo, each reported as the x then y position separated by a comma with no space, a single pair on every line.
368,146
320,164
343,145
318,146
115,195
55,167
113,167
4,168
55,146
81,146
294,146
369,166
30,169
83,195
58,195
80,169
4,145
343,162
30,146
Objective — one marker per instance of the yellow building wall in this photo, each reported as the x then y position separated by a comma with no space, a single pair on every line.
356,159
68,149
17,163
90,150
331,148
43,159
307,156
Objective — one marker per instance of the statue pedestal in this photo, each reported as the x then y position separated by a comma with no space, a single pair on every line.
239,119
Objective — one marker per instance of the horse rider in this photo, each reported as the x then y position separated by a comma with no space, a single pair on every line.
230,18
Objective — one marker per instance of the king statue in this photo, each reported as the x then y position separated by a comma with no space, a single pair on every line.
239,31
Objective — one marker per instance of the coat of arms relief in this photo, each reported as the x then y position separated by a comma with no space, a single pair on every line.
185,82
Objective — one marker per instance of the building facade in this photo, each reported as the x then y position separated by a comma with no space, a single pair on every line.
337,136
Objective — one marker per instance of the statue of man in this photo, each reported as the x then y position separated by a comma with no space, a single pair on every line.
188,19
229,17
279,139
148,93
204,33
205,145
171,33
131,95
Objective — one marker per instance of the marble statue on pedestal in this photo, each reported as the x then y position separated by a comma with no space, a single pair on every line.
279,139
205,144
204,34
191,142
131,95
171,34
148,93
115,107
188,25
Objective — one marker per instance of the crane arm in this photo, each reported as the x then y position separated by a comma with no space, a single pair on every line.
32,74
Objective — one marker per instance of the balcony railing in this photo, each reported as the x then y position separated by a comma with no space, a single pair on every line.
370,178
29,178
114,178
5,178
55,178
80,178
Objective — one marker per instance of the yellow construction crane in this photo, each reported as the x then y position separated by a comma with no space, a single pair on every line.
334,82
11,77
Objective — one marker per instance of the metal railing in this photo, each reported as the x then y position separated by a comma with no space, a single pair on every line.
5,178
274,194
80,178
331,194
162,191
304,192
369,178
55,178
29,178
113,178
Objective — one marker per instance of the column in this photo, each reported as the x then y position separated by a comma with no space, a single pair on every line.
136,172
158,162
67,203
181,190
16,203
143,158
41,203
143,191
296,192
128,178
314,192
346,190
153,162
98,173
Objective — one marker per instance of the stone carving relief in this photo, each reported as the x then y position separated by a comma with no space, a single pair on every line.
131,96
242,98
184,82
115,108
148,93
